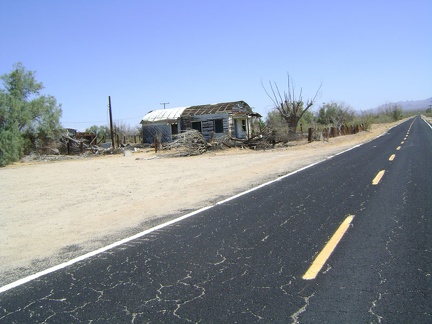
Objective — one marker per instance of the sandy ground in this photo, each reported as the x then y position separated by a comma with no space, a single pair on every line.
53,211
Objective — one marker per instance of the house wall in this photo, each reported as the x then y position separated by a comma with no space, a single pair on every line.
150,131
231,126
207,123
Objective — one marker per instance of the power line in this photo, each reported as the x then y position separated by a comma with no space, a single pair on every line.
130,118
82,122
98,121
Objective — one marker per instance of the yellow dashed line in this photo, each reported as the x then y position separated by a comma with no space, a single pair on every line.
378,177
391,158
398,148
328,249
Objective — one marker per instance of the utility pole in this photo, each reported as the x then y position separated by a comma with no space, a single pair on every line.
111,123
164,103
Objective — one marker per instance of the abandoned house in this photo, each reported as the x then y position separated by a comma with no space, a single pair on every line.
235,119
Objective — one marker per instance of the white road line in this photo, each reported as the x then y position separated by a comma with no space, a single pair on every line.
427,122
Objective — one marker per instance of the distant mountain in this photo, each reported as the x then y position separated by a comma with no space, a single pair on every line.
408,105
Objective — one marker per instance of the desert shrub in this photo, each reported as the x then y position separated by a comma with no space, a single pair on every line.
365,119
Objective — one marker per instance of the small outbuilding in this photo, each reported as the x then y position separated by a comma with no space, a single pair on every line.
234,119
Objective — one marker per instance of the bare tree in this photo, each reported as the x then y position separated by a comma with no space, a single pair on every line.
290,105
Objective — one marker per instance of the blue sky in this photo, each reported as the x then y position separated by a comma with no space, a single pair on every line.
142,53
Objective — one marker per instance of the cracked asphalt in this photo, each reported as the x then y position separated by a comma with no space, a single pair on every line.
242,260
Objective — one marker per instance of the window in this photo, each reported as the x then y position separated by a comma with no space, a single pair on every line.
197,126
218,126
244,125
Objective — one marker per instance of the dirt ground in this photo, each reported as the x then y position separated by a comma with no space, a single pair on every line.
53,211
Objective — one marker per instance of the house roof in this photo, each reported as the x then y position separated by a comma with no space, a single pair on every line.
172,114
229,107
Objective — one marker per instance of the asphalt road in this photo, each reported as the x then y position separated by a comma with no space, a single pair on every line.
245,260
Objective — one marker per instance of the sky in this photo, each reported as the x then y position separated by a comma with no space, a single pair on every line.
143,53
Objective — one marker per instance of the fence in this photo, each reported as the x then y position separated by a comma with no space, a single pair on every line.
327,132
122,140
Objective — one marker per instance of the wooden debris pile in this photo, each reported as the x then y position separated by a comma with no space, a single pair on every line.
258,142
265,140
70,145
221,142
189,143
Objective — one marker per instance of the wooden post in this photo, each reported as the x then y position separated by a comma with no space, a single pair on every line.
68,147
310,134
155,144
333,132
111,123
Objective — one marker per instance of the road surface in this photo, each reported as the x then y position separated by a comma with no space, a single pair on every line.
348,240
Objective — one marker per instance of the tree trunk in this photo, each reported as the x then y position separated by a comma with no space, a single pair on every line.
292,122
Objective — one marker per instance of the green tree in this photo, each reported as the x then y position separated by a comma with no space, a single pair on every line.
307,118
275,121
100,131
276,126
393,111
92,129
28,120
334,113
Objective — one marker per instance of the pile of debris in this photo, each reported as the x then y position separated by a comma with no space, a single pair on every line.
71,146
189,143
221,142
